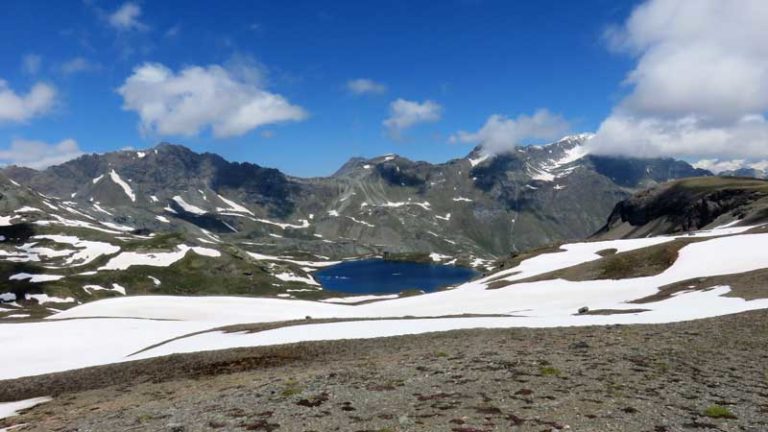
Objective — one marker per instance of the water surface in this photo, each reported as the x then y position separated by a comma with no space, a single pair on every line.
377,276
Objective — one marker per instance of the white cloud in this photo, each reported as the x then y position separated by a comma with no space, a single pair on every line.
77,65
688,137
15,107
700,85
31,63
231,100
38,154
404,114
362,86
717,166
126,17
500,134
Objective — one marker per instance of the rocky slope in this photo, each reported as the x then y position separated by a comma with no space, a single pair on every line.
706,375
689,205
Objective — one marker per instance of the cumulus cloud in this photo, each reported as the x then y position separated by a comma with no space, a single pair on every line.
230,100
718,166
500,134
700,84
16,107
126,17
363,86
31,63
404,114
688,136
38,154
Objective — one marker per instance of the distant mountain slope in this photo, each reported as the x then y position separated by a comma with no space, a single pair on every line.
689,205
746,172
481,206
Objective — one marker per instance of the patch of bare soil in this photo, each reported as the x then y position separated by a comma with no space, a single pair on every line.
707,375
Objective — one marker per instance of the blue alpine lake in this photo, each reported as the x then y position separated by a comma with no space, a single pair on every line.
377,276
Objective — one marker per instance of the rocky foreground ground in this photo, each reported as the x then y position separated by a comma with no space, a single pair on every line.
708,375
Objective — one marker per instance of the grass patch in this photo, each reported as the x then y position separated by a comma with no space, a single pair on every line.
292,388
716,183
549,371
718,412
416,257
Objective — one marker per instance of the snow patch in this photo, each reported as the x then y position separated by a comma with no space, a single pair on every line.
436,257
155,259
292,277
259,256
10,409
35,278
189,208
475,162
120,182
115,287
6,220
123,228
27,209
44,298
233,206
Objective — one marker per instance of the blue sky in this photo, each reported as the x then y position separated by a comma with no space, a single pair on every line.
471,58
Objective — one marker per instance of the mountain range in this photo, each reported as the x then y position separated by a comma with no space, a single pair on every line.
167,220
479,205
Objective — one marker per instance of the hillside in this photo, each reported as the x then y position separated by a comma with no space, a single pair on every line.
683,278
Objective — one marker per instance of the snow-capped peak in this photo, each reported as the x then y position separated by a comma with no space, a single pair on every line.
552,169
579,138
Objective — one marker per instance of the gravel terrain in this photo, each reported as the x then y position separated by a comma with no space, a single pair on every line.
708,375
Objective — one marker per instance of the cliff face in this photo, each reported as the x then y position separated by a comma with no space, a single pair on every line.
687,205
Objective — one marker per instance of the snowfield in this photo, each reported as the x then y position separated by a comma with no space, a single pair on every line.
85,335
10,409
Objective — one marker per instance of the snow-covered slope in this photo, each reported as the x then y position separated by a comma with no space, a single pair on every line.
84,336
